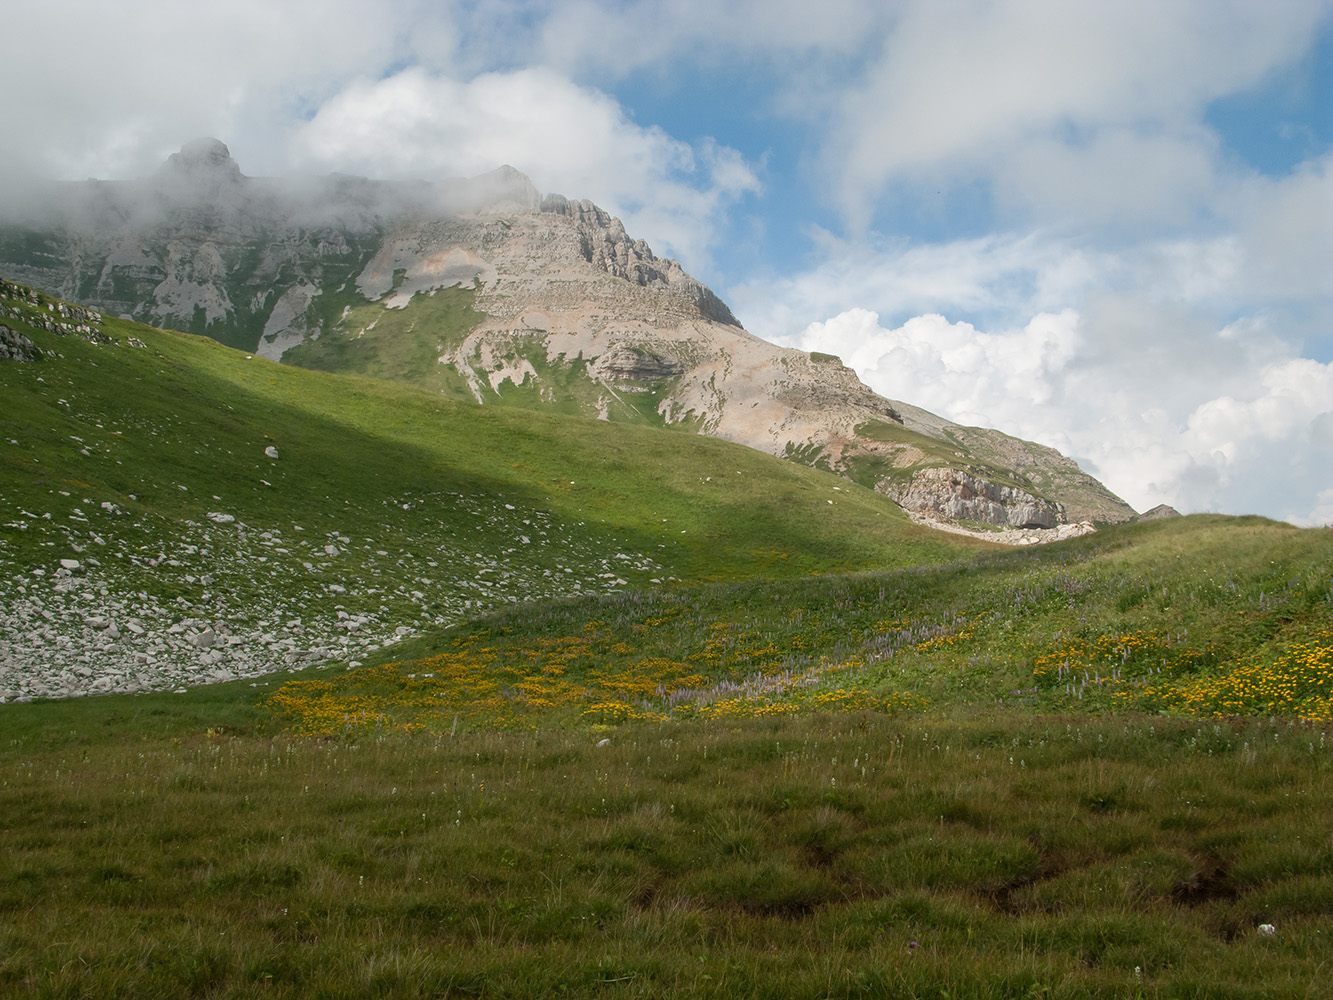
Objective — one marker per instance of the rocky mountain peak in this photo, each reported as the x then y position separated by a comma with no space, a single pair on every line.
202,174
604,243
202,158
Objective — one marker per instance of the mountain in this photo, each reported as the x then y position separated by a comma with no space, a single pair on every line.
485,290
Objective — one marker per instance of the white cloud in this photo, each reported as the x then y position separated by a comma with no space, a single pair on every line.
953,368
1322,514
1072,110
568,139
1287,223
1002,277
611,39
111,89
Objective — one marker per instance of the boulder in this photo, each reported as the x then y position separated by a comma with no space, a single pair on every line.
202,640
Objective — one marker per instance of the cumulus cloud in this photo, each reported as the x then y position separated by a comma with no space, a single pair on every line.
977,377
567,138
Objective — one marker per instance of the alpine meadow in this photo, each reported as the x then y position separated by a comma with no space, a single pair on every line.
447,617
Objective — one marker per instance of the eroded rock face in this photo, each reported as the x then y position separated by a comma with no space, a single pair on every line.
624,363
604,243
16,347
958,495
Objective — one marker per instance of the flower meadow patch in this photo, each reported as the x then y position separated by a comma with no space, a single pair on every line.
594,679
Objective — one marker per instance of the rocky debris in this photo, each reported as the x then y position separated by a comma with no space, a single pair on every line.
99,621
1158,513
961,495
1009,536
19,293
202,640
53,316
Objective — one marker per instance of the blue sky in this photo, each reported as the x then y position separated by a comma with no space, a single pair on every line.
1103,226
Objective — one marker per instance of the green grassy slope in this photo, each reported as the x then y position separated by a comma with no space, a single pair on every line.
406,345
948,771
386,503
184,411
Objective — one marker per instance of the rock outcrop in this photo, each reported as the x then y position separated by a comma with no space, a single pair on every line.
623,363
16,347
958,495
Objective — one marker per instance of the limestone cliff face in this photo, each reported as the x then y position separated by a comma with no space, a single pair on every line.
569,311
